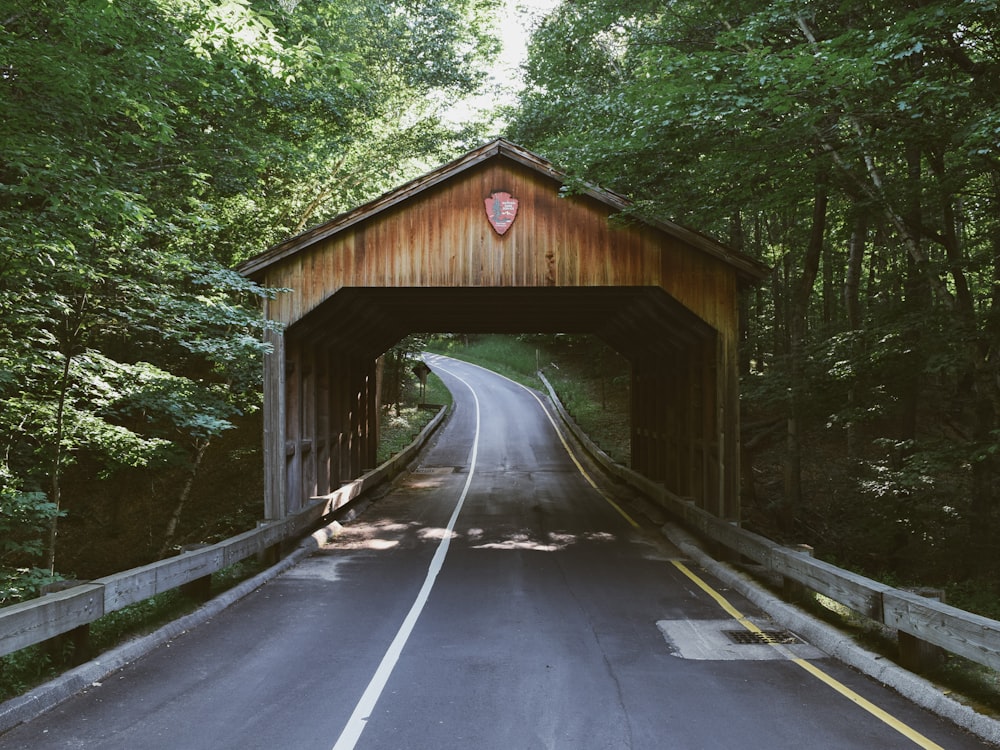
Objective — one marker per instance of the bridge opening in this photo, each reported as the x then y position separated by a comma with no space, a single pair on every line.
492,244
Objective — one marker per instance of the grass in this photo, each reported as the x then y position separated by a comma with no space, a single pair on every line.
603,415
511,357
396,431
591,380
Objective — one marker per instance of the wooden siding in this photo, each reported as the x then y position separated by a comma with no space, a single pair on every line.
425,258
443,239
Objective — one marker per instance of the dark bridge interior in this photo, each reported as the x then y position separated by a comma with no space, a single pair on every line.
637,322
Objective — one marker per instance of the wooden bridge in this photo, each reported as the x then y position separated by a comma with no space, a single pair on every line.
491,244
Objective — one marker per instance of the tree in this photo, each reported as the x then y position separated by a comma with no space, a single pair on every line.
149,144
859,145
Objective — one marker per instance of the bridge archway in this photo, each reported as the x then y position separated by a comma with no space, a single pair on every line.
426,257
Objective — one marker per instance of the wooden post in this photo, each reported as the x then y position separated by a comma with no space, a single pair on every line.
658,468
322,440
77,640
634,417
373,395
672,424
356,378
308,443
340,421
269,555
275,501
200,589
293,428
793,590
720,368
915,654
638,416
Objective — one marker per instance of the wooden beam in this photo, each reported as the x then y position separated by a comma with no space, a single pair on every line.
293,427
275,502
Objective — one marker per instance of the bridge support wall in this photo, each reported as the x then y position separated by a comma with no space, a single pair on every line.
682,433
321,425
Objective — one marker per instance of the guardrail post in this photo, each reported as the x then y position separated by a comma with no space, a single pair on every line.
270,554
724,552
916,654
78,639
792,589
200,589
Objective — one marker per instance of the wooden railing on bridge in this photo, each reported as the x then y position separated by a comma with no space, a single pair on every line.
912,615
27,623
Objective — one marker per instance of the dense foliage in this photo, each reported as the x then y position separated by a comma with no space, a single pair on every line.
147,146
854,148
151,144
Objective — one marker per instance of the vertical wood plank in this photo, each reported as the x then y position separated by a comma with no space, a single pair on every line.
293,427
274,426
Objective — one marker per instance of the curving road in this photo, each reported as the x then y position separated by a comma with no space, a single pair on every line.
495,598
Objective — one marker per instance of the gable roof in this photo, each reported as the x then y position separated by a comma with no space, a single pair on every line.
749,269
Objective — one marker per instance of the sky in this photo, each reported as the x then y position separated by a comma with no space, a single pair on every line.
515,21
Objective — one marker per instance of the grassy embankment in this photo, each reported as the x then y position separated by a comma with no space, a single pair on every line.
592,381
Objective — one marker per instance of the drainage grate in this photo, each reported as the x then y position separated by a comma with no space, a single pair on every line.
436,470
764,637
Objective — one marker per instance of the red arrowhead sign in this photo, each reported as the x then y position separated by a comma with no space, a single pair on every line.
501,209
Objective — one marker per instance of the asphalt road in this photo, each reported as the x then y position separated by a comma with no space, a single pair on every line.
494,599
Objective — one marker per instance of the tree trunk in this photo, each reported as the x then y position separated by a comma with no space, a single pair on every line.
175,517
798,329
852,280
55,491
852,305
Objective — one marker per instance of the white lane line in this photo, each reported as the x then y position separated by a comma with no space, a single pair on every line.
362,712
562,439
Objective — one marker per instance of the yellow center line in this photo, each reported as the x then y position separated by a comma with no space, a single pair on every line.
812,669
569,451
905,730
579,466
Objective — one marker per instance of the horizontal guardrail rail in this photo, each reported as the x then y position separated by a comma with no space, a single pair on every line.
929,621
27,623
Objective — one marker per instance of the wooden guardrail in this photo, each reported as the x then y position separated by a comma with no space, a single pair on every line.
27,623
913,616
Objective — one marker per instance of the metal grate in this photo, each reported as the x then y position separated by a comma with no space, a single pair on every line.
764,637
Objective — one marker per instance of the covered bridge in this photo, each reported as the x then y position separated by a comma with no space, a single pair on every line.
490,244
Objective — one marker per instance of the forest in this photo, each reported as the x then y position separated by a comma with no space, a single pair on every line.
853,148
150,145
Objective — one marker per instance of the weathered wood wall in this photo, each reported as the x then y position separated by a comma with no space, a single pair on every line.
440,238
433,235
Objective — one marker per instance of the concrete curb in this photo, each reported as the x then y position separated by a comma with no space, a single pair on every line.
839,645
